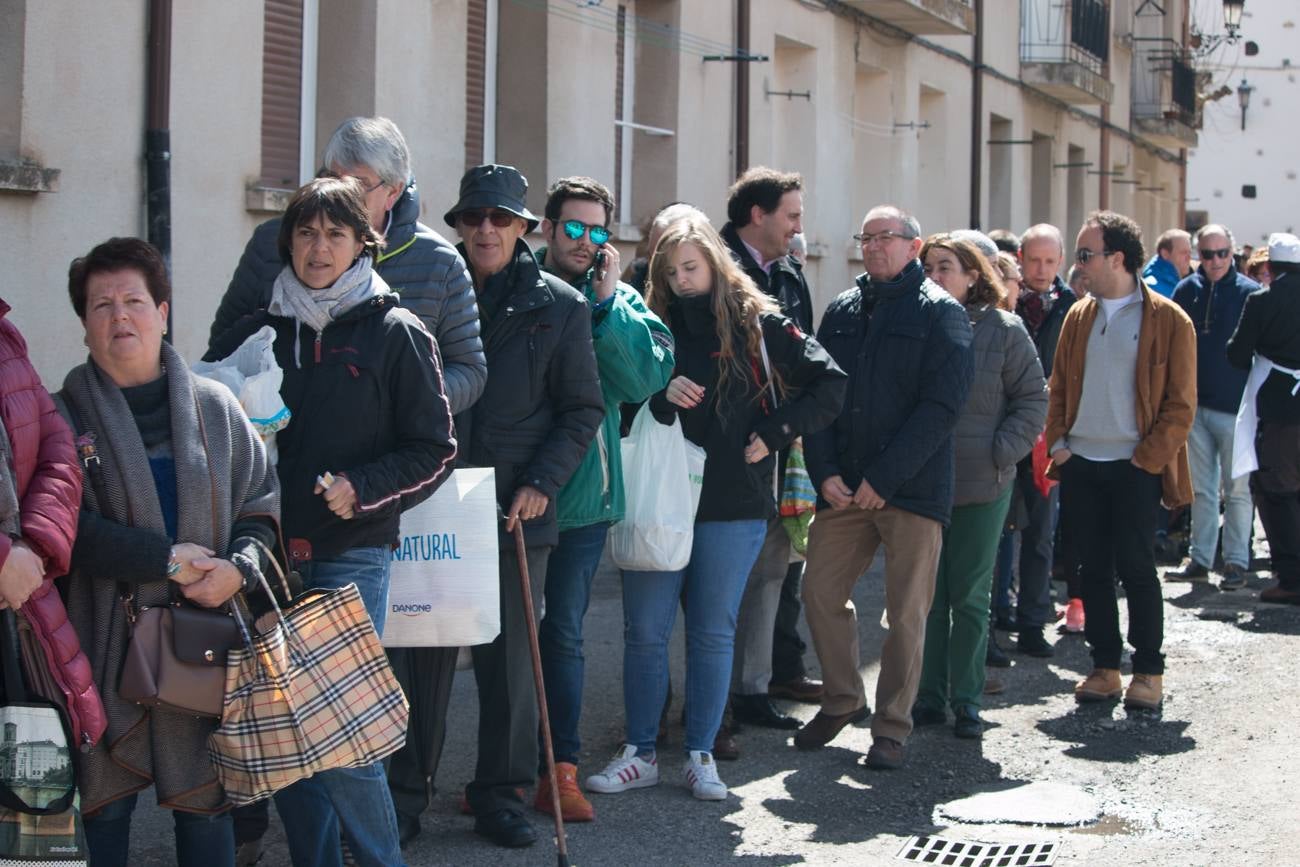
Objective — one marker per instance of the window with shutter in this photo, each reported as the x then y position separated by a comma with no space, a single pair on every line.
475,74
281,93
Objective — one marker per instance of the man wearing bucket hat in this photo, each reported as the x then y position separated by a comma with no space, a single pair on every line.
533,424
1267,341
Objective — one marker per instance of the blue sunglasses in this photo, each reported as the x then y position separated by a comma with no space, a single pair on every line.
575,229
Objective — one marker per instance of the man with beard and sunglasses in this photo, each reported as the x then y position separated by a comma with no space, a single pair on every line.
634,356
1121,400
1213,296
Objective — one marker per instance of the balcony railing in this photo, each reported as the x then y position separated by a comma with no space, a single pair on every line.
1065,31
1164,84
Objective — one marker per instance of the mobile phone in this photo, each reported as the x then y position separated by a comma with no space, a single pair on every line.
598,263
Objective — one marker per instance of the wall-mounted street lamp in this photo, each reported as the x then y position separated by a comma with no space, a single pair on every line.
1204,43
1243,98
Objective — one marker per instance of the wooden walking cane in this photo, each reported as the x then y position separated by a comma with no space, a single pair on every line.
562,859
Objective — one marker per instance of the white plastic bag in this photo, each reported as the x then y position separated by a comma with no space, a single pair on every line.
663,475
253,375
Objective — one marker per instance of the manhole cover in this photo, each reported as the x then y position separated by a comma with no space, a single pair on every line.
965,853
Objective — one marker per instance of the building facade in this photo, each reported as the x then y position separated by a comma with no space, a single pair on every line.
992,113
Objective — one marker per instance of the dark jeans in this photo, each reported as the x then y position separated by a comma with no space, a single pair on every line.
787,647
200,840
1114,507
1034,601
426,675
1276,486
507,696
569,573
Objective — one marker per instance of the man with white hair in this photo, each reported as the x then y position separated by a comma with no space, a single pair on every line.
1043,310
884,472
1214,297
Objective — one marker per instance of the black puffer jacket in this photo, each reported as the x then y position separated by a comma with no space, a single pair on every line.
367,402
543,403
785,282
733,489
418,264
907,351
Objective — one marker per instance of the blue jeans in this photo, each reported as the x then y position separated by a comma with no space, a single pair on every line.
569,574
722,555
200,840
351,801
1209,451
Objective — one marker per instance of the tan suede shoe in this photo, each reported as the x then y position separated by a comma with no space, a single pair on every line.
1145,691
1102,685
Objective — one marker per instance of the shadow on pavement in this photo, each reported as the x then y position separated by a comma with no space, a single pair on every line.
1096,735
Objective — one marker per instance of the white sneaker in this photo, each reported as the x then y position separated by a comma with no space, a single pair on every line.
702,777
626,771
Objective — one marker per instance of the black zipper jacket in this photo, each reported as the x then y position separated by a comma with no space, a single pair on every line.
542,404
735,490
367,402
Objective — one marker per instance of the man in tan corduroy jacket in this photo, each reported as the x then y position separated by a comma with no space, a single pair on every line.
1121,403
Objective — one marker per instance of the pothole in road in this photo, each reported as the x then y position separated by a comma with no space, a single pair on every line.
1043,803
1111,826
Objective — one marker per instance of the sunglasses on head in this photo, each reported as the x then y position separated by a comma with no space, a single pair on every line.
1216,254
500,219
575,229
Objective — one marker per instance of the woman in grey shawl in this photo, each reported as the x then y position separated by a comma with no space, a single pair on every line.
157,431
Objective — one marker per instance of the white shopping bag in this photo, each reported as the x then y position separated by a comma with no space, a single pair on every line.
443,590
253,375
663,474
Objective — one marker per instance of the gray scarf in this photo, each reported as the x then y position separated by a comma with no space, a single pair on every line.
222,472
317,308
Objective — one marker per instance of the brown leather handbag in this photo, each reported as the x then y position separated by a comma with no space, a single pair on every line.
176,657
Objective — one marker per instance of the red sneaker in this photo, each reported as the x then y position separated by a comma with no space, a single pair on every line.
1074,616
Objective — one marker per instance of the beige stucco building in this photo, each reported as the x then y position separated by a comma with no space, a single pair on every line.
1077,104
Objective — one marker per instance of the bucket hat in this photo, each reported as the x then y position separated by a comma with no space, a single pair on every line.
493,186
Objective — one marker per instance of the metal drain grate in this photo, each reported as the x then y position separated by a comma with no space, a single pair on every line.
964,853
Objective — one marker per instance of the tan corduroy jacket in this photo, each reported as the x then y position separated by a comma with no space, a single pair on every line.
1166,387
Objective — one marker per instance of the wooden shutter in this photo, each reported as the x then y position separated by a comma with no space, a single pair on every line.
281,93
475,72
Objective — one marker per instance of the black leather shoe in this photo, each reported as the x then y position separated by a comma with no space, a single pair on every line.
408,828
758,710
506,828
995,656
927,716
968,724
1032,642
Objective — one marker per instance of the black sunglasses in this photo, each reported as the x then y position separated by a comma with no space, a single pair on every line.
1216,254
500,219
1083,255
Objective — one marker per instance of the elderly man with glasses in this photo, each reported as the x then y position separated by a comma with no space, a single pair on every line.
884,470
1121,400
1213,296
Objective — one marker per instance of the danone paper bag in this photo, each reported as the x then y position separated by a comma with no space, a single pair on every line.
443,589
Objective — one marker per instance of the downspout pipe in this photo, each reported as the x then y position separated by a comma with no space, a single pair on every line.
977,118
742,87
157,136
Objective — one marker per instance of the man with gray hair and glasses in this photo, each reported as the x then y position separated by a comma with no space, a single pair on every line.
431,281
884,471
1214,296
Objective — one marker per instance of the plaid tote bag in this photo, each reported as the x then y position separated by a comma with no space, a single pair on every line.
310,692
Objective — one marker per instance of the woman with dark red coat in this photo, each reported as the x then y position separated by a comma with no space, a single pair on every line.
40,495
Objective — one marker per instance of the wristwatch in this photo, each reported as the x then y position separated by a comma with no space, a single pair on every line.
173,565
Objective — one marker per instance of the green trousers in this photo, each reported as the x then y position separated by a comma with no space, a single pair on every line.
957,630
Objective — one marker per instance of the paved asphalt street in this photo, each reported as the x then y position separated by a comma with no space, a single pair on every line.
1210,780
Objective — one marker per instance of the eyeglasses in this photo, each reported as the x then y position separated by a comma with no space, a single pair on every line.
1215,254
1083,255
367,190
879,238
474,219
575,229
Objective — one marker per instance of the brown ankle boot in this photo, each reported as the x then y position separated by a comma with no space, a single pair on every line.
1145,691
1103,684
